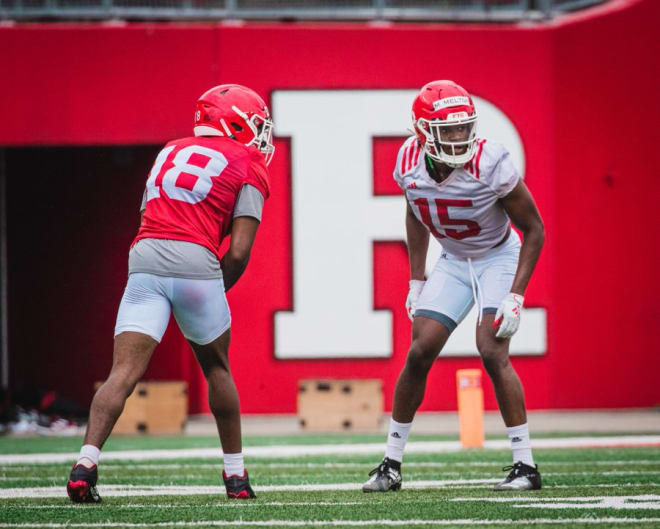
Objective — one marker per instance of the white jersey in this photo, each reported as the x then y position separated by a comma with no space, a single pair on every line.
462,212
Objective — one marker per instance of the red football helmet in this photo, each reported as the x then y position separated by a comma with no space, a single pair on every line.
445,122
237,112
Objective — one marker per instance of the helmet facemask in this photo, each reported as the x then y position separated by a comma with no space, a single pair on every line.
262,129
446,138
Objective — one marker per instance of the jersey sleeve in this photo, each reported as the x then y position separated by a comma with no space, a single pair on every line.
403,162
501,176
398,178
143,204
257,173
250,203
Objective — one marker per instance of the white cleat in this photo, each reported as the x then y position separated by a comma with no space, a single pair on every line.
385,477
521,477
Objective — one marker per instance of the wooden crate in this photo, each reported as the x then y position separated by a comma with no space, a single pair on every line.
154,408
331,405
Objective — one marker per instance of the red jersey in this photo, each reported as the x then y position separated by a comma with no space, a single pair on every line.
193,186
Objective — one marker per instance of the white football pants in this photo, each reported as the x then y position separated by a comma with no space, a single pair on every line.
199,306
450,291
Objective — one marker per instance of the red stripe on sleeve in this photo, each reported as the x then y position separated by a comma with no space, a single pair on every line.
476,159
411,148
403,159
416,155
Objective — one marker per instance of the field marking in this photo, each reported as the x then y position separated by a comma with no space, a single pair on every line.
645,501
189,490
302,476
338,523
174,490
155,490
288,451
606,485
222,504
610,473
114,466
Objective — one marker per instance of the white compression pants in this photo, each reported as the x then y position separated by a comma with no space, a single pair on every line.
199,306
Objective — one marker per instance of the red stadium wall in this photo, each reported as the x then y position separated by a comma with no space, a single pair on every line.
581,92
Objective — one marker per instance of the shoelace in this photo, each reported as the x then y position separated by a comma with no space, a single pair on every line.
384,469
380,469
515,469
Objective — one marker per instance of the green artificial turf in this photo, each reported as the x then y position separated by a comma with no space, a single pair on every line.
602,488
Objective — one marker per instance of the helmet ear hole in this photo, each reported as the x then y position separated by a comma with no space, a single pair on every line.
236,126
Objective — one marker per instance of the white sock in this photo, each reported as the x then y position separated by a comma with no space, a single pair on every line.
89,456
234,464
396,440
521,446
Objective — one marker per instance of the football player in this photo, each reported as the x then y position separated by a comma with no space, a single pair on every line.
200,189
465,191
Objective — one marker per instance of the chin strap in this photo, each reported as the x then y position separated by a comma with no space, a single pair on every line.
227,131
429,163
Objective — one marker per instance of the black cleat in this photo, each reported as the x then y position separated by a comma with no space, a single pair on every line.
386,476
81,487
238,487
521,477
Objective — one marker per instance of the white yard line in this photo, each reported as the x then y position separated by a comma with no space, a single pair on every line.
191,490
507,498
174,490
644,501
223,504
304,476
136,490
606,485
342,523
287,451
114,466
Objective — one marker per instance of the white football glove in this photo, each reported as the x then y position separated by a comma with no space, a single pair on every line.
508,315
416,287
